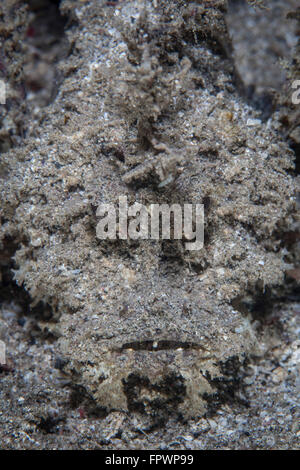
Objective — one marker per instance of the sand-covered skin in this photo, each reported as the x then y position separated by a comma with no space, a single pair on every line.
145,331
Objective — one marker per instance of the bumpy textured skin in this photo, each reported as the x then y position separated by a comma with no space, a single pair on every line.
144,325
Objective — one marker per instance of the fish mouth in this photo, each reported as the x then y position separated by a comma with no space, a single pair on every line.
160,345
